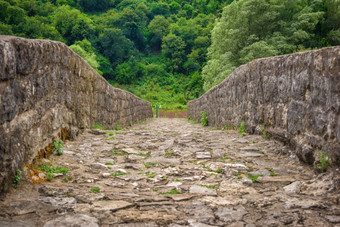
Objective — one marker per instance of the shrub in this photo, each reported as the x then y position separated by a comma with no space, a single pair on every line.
204,118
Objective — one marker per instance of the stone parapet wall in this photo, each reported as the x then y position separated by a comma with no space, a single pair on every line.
46,88
295,98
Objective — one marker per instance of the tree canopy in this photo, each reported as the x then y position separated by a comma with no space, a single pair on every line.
250,29
167,51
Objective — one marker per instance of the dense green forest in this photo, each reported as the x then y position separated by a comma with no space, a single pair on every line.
251,29
171,51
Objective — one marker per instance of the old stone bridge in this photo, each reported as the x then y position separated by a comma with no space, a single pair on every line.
283,170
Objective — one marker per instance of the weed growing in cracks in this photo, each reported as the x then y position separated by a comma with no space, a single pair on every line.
323,162
242,128
17,178
95,190
57,146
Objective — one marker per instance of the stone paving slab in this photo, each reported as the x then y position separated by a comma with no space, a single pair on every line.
171,172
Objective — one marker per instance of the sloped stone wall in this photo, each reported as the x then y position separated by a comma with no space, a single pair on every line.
46,88
295,98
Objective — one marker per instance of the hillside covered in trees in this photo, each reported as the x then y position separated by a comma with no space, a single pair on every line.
170,51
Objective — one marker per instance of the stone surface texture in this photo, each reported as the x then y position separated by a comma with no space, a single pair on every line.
45,87
295,98
189,192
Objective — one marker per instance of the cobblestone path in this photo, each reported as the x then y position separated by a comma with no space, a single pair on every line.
170,172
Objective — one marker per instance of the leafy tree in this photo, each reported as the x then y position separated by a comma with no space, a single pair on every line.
3,12
115,46
173,47
124,38
105,67
174,7
257,50
64,20
160,8
286,26
15,15
158,28
5,29
94,5
124,73
132,26
89,57
72,24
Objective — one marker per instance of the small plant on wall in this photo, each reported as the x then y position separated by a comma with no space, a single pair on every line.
17,178
204,118
242,128
57,146
323,161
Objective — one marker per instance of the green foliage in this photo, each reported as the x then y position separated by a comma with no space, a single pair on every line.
225,158
158,27
67,179
95,190
95,5
150,174
110,138
110,133
115,46
323,161
265,134
72,24
168,153
120,174
213,187
254,177
286,27
117,127
204,118
50,170
167,51
98,126
49,176
47,168
242,128
120,153
171,192
149,164
173,48
148,155
57,146
17,178
89,57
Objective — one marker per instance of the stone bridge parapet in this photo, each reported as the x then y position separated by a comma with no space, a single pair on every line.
294,98
46,88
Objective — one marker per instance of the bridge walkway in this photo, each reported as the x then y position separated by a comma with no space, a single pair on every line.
172,172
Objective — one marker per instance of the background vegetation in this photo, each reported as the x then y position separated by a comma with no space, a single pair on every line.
157,49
